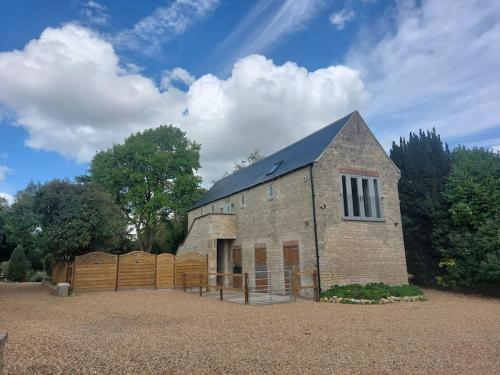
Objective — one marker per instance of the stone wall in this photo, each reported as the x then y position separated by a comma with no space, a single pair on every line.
358,251
285,217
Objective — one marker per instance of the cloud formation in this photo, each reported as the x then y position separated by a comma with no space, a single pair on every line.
339,19
3,172
71,94
435,64
164,23
94,13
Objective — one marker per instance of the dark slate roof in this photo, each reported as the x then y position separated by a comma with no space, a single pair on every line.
290,158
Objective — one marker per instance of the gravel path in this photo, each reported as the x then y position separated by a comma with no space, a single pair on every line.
165,331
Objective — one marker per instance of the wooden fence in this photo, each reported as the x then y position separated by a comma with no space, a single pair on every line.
134,270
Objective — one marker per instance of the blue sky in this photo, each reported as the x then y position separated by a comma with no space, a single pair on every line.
77,76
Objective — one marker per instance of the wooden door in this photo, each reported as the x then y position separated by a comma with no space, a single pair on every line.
291,262
261,273
237,268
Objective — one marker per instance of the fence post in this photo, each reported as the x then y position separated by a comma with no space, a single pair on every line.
116,277
73,273
221,294
173,273
245,286
201,285
156,271
206,270
184,281
292,284
315,284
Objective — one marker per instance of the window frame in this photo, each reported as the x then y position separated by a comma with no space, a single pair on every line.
270,192
374,191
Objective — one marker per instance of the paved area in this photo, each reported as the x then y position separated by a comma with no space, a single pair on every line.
165,332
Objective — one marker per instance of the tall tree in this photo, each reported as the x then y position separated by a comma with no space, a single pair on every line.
78,218
424,164
472,259
3,230
152,177
23,225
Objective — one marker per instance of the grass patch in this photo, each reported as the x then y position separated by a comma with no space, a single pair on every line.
372,291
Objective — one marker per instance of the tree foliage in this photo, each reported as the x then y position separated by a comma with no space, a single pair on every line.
472,191
3,229
18,265
78,218
252,158
424,164
23,225
152,177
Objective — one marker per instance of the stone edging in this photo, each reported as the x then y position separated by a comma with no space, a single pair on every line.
382,301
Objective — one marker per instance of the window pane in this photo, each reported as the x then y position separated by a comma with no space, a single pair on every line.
377,199
355,197
344,195
366,198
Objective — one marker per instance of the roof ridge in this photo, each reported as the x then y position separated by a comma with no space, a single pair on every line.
286,147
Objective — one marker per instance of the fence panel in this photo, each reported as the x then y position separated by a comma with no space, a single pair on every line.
136,270
60,273
190,266
165,270
95,271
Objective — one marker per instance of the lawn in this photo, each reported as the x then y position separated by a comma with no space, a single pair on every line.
165,331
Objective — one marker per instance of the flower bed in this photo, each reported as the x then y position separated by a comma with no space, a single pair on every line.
373,293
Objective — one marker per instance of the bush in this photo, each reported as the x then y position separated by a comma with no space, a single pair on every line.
4,266
35,276
18,265
372,291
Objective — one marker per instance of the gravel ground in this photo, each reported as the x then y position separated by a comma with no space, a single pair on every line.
165,331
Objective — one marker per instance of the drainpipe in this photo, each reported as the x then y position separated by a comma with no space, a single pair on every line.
315,224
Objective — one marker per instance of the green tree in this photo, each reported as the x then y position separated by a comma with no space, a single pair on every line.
77,218
23,225
252,158
472,259
424,164
152,177
18,265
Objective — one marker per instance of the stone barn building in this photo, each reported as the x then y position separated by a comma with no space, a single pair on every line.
328,202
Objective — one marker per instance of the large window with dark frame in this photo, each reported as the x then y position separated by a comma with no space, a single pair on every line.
361,197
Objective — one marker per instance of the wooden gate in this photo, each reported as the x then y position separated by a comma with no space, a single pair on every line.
165,268
95,271
188,268
136,269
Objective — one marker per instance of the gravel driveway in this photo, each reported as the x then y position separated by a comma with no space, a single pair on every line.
165,331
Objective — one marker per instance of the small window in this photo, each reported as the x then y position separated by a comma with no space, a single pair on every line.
213,208
227,207
242,203
270,192
274,167
361,197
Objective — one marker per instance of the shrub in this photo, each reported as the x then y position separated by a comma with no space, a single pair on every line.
4,266
18,265
35,276
372,291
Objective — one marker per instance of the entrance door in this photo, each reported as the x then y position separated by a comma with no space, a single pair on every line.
261,273
291,262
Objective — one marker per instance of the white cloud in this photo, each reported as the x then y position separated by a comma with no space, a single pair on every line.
339,19
164,23
69,92
496,148
8,197
265,25
434,63
94,13
176,75
3,171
